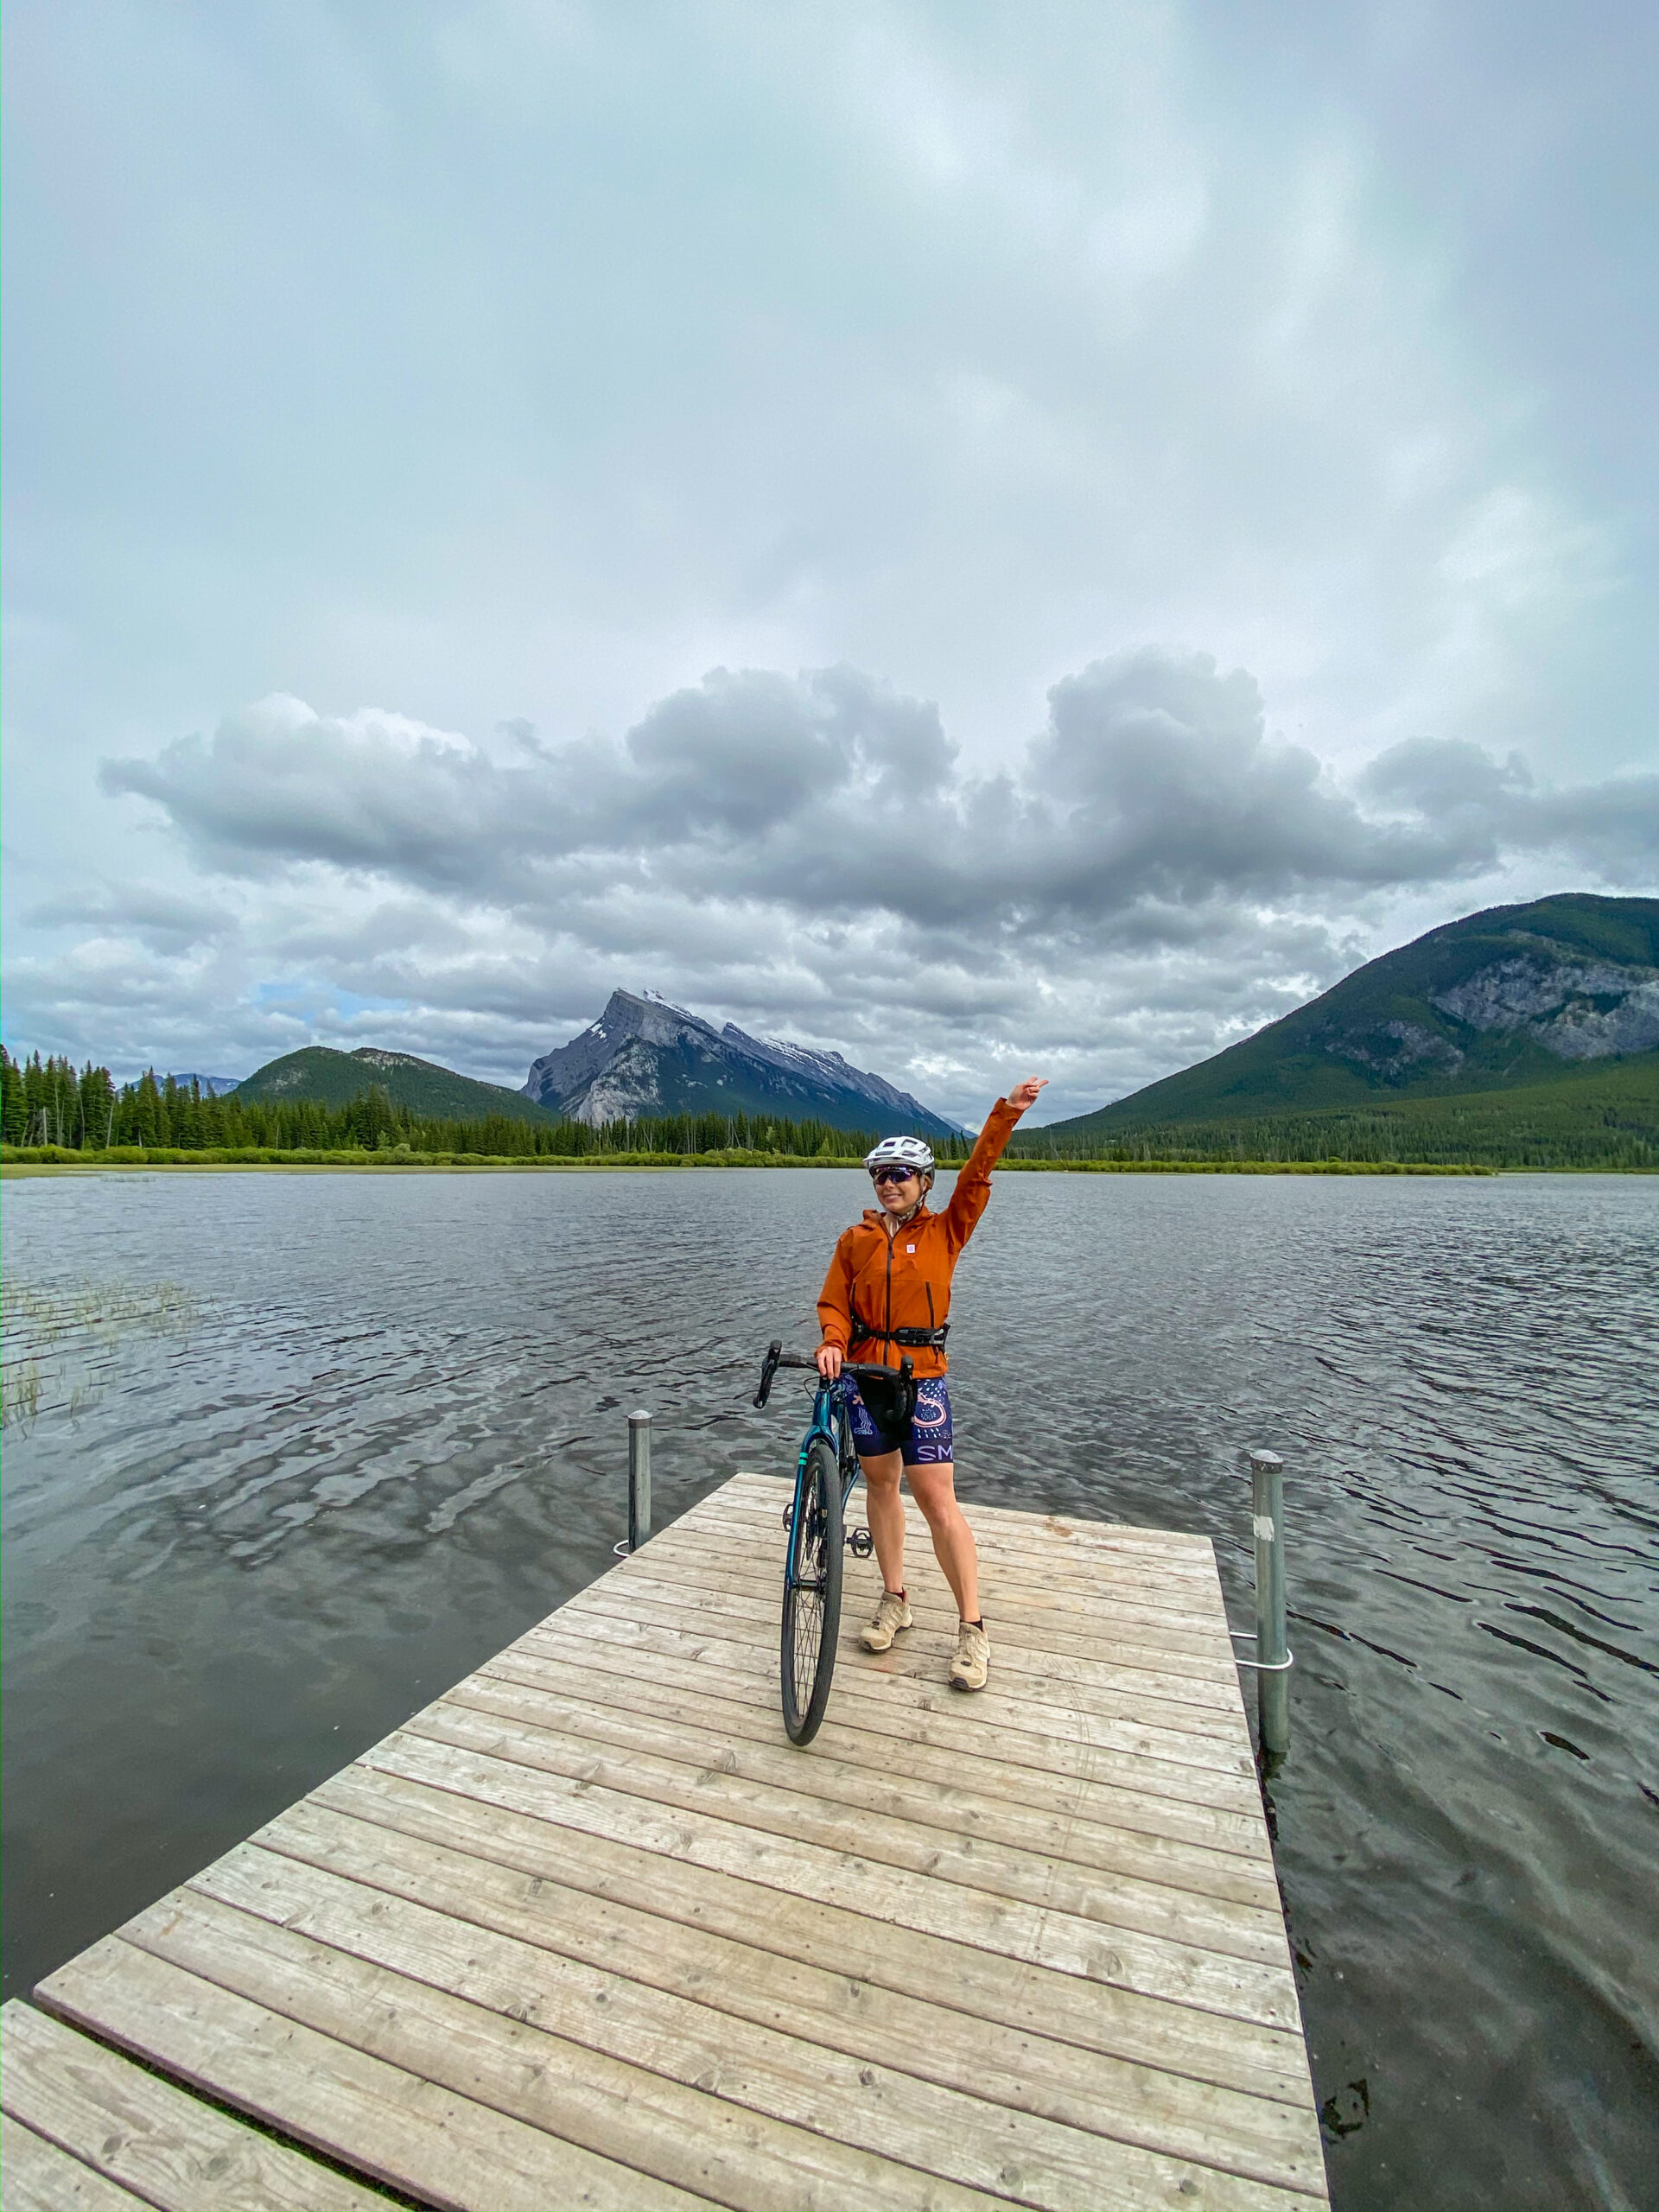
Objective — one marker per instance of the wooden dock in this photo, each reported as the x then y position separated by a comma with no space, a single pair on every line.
588,1931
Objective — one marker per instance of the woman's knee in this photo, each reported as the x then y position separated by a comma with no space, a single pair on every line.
883,1476
936,1497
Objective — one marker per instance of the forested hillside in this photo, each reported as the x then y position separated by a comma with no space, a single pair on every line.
1604,1117
47,1103
1513,996
316,1074
1522,1036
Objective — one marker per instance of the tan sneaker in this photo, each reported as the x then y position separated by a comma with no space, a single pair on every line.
973,1661
891,1615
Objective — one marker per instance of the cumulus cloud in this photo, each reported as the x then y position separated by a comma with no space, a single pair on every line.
1154,790
1155,873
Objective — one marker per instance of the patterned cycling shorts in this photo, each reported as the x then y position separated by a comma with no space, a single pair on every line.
926,1443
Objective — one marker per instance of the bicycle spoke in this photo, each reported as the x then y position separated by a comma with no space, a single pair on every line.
811,1596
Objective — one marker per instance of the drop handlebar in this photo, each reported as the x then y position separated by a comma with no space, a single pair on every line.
776,1357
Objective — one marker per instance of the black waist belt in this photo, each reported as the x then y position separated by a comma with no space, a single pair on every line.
911,1339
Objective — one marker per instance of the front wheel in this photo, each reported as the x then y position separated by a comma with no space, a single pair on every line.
812,1594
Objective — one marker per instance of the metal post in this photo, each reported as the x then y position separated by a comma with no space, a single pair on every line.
1272,1652
639,1478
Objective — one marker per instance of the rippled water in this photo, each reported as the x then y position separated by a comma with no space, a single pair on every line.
250,1529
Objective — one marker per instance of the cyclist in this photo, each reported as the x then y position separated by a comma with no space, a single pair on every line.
886,1295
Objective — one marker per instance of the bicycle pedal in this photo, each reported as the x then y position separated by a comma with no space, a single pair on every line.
789,1515
860,1542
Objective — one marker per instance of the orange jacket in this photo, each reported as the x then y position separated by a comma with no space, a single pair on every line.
903,1281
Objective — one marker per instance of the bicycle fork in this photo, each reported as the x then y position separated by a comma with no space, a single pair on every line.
858,1540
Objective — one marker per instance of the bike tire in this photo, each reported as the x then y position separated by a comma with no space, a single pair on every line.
812,1595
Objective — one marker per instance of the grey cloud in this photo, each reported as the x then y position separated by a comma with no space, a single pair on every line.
278,783
1154,874
1426,774
1154,789
1612,826
159,918
745,753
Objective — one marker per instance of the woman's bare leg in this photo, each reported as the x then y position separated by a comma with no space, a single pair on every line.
886,1512
934,1489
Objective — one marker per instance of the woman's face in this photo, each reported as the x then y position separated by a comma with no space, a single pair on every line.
898,1195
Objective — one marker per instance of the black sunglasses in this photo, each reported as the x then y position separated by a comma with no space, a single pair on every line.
891,1174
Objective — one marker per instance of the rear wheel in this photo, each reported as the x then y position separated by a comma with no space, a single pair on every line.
812,1595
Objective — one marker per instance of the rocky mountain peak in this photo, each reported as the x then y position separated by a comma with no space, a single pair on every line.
646,1056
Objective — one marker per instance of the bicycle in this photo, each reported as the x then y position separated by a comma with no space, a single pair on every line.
815,1520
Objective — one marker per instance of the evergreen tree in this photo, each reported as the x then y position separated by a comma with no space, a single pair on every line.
147,1120
14,1102
96,1098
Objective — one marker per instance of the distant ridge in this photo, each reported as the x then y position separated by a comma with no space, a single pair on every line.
430,1092
1509,999
646,1057
211,1086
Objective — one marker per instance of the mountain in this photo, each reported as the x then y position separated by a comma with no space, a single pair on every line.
335,1078
643,1056
211,1086
1512,997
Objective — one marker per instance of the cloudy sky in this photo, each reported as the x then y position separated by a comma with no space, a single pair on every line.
992,538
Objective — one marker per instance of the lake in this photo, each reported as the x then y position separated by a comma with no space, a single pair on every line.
289,1454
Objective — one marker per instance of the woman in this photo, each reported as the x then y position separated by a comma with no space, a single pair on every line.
887,1296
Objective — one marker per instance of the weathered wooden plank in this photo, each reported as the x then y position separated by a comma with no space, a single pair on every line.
1157,1966
689,2138
1184,1597
1004,1535
1129,1534
1161,1546
1172,1545
996,1714
647,1870
730,1589
152,2139
871,2108
924,2033
1234,1843
1179,1801
37,2176
1135,1608
1074,1684
954,1802
726,1788
447,2149
1107,1752
734,1573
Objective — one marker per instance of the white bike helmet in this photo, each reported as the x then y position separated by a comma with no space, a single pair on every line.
900,1151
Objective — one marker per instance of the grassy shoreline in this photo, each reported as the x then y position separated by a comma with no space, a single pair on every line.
44,1160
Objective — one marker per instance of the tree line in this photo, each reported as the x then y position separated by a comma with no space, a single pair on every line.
1491,1129
48,1102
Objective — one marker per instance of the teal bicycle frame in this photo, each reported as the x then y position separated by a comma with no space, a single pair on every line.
826,1469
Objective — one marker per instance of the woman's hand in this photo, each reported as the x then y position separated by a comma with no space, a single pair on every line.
829,1361
1024,1094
